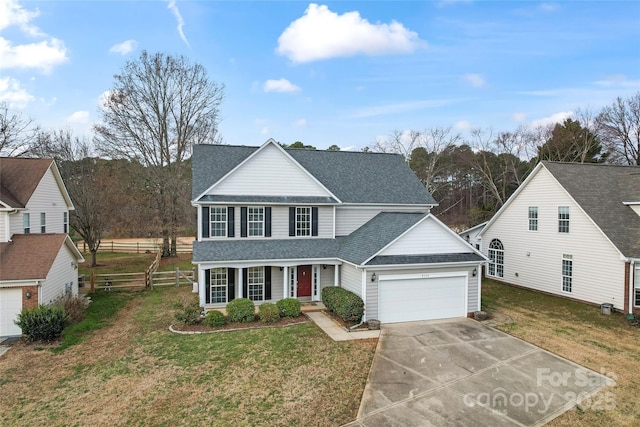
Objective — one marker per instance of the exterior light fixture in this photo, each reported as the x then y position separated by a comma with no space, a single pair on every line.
373,277
475,272
324,266
27,294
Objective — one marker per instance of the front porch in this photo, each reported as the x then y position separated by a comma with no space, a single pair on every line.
265,283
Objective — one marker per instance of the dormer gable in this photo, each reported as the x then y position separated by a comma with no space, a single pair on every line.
268,171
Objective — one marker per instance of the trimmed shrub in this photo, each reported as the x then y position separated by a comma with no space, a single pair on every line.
289,307
268,312
347,305
43,323
189,313
214,318
241,310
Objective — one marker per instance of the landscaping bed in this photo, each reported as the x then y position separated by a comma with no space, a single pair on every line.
202,328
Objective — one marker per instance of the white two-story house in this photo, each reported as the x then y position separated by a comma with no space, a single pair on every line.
38,260
572,230
276,223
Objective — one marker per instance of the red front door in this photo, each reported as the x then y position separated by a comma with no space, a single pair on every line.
304,280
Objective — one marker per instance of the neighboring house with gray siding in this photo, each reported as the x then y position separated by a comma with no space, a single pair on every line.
572,230
275,223
38,260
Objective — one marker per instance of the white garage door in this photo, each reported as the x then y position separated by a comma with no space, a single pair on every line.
10,307
410,299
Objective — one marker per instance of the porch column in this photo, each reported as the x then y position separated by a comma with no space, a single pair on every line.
285,277
202,286
239,282
336,275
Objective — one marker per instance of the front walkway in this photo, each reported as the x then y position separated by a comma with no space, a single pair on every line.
338,332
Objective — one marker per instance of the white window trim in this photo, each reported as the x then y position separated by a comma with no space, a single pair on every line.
43,222
562,220
26,223
226,285
65,222
260,284
533,220
569,258
249,222
213,209
492,262
310,222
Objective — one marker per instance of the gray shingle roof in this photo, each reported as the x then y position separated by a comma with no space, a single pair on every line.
354,177
264,249
315,200
601,190
425,259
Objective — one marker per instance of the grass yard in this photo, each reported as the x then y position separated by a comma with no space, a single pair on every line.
133,371
581,334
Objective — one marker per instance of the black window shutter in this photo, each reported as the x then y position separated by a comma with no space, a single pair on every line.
292,221
231,287
207,286
314,221
243,221
231,222
205,221
267,282
267,222
245,288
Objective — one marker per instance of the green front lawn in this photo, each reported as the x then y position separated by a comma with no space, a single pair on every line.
132,371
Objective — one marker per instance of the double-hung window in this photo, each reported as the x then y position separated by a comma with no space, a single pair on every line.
255,283
567,272
563,219
65,222
255,221
218,221
303,221
533,218
218,281
26,222
43,222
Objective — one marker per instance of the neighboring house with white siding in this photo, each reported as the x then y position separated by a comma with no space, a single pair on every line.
275,223
572,230
38,260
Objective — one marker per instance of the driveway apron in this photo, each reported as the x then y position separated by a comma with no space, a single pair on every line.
462,373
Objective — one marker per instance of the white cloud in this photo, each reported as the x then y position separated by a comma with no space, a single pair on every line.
548,7
103,99
43,54
176,12
264,130
403,107
322,34
79,117
551,120
475,80
617,80
13,93
125,47
463,125
519,117
281,85
301,122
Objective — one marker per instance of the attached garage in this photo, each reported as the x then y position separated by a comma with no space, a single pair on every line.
411,297
10,307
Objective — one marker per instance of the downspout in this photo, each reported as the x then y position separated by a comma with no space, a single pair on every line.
364,294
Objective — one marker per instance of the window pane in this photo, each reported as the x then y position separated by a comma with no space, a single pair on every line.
563,219
218,285
303,221
496,256
255,219
255,282
218,217
533,218
567,274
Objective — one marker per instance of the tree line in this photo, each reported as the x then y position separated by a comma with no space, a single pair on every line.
133,177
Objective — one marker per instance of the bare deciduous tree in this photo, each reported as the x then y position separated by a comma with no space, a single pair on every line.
159,107
17,133
619,129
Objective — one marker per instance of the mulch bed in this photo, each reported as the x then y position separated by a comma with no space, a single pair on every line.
201,327
346,325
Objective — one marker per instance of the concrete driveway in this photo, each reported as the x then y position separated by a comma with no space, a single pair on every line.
462,373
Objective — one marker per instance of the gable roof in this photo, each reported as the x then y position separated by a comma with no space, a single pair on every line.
601,191
19,178
353,177
30,256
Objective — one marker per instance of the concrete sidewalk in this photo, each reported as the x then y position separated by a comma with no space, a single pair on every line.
338,332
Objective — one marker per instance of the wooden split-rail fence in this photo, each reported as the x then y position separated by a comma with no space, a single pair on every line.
147,279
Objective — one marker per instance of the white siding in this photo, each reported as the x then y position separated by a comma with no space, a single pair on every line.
350,218
270,173
636,208
534,259
351,279
276,283
327,276
371,302
428,237
46,198
280,222
61,272
4,230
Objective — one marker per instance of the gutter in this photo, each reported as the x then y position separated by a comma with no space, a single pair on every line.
632,270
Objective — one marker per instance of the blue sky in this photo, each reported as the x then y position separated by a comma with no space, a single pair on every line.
329,73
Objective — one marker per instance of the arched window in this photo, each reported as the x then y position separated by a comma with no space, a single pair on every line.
496,256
